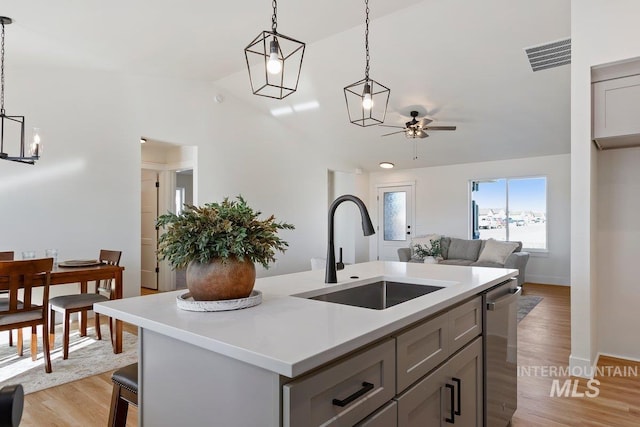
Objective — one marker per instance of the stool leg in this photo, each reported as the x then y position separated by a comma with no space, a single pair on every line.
10,338
119,409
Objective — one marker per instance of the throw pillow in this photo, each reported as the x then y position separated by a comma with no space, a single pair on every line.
498,252
424,241
464,249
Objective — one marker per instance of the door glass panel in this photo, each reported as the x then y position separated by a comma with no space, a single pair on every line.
395,216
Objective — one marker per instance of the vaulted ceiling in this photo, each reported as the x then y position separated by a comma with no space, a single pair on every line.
460,62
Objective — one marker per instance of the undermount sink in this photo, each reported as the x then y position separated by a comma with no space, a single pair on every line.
378,295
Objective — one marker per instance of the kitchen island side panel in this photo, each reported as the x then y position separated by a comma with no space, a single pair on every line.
182,384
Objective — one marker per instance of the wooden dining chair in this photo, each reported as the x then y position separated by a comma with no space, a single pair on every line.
7,256
83,302
23,277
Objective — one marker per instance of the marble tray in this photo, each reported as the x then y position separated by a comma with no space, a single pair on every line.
186,302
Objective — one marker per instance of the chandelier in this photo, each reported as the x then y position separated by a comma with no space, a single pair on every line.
12,127
274,61
367,99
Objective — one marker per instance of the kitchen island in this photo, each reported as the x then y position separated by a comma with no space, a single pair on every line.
246,367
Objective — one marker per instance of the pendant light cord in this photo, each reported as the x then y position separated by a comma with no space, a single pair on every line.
366,40
274,17
2,72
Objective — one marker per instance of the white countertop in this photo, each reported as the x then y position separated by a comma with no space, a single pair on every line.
290,335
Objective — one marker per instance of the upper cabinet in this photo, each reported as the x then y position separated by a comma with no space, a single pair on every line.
616,106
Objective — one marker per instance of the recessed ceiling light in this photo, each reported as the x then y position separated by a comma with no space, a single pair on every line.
142,140
386,165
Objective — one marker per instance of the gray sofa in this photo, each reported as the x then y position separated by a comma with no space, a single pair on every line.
466,252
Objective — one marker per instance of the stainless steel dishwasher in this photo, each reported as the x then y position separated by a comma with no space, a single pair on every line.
501,353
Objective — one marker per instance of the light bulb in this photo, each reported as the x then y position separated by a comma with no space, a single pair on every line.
274,65
36,146
367,101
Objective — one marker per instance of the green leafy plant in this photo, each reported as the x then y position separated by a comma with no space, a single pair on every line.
219,230
424,251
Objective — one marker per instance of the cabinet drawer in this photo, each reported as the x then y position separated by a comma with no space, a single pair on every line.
465,323
363,382
384,417
421,349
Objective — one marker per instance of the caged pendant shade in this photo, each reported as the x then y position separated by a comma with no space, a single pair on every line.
12,127
367,99
274,61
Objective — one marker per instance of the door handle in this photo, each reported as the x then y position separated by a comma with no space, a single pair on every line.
458,382
366,387
452,419
505,300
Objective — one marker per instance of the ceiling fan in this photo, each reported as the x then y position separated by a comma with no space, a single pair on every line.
417,128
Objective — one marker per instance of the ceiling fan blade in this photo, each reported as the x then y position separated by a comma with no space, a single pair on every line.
391,126
425,122
423,134
392,133
440,128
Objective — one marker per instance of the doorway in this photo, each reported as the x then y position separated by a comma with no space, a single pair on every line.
395,220
174,168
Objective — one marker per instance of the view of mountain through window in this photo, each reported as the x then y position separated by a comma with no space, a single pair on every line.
511,209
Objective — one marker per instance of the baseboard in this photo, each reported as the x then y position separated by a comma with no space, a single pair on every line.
617,356
547,280
582,368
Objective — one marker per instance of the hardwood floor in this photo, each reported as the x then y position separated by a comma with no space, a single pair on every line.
543,341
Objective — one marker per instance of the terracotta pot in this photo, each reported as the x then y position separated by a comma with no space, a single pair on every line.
221,279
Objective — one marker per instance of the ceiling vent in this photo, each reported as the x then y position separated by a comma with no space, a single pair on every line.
549,55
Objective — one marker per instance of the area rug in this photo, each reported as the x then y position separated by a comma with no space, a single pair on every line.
87,357
526,303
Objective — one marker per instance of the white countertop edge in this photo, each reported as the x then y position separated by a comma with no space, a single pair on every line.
296,368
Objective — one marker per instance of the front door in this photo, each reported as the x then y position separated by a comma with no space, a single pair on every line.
395,218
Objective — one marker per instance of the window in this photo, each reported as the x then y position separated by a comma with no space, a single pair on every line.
510,209
180,196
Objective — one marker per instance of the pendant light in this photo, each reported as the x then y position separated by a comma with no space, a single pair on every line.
367,99
274,61
13,126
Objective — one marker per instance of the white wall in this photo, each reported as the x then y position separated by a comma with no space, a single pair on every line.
347,222
618,240
602,31
442,204
83,195
85,192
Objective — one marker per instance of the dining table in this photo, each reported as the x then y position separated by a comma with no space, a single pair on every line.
83,274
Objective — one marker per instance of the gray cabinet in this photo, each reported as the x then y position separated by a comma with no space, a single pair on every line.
343,393
616,107
425,346
422,368
452,394
387,416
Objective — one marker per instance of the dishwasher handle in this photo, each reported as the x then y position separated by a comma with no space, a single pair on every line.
505,300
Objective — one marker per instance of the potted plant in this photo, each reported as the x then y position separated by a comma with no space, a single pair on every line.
219,244
429,253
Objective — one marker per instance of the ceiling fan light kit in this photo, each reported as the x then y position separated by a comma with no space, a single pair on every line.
367,100
12,127
274,61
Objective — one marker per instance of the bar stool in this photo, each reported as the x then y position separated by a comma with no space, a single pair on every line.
125,392
11,405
